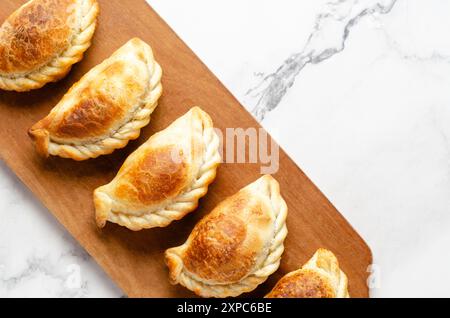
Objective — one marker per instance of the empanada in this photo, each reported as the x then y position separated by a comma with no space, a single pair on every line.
320,277
235,247
41,41
164,178
105,109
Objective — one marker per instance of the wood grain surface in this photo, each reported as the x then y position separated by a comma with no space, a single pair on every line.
134,260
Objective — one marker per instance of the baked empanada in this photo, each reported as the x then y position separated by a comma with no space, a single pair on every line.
105,109
235,247
320,277
164,178
41,41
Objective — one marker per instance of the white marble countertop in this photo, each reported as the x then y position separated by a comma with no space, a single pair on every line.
356,91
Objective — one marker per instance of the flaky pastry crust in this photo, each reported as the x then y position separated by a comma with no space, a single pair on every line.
163,179
41,41
320,277
106,109
236,247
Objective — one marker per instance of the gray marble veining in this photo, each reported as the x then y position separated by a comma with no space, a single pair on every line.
331,30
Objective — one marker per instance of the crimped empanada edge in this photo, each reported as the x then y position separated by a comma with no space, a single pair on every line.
130,130
177,274
61,65
183,203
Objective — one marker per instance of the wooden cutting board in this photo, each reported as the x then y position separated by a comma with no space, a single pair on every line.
134,260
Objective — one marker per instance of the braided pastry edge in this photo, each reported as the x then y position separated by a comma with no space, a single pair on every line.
60,66
331,272
249,283
119,139
325,266
182,204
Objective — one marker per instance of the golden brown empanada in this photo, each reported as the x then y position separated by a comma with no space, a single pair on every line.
105,109
237,246
164,178
320,277
41,41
